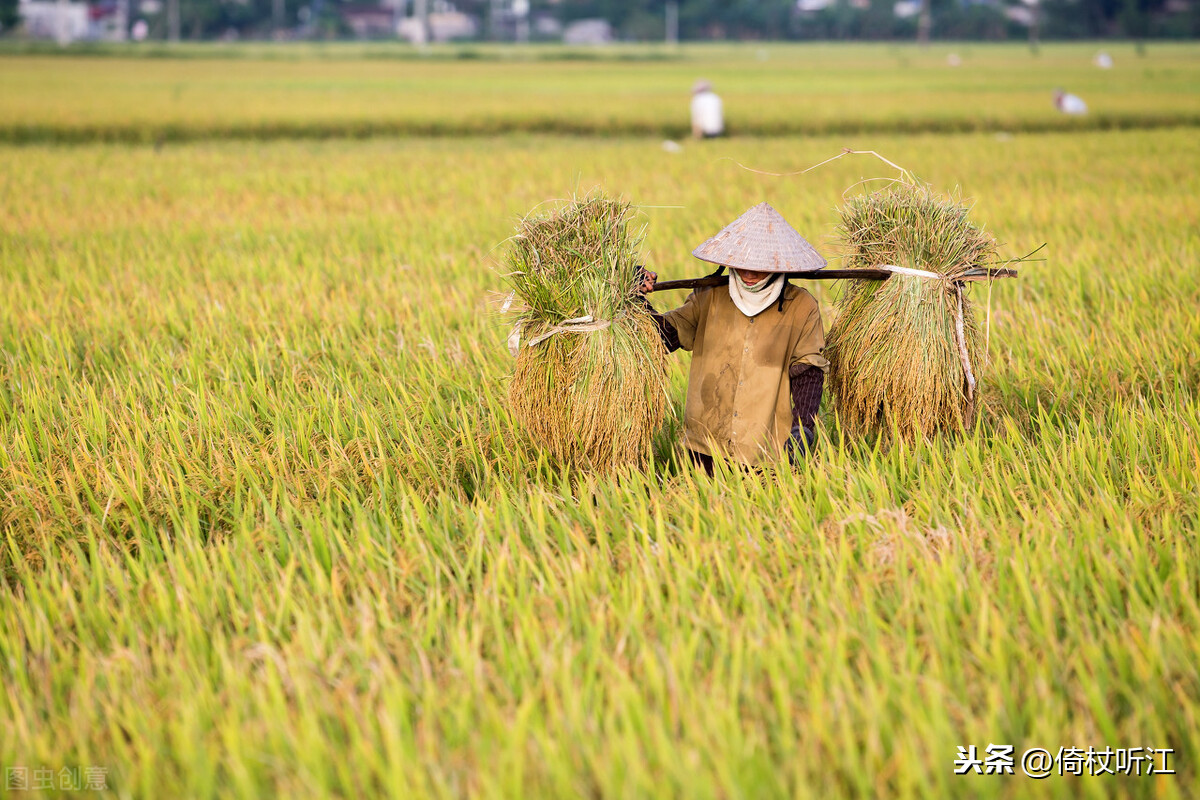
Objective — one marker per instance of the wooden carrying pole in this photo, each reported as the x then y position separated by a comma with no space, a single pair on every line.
830,275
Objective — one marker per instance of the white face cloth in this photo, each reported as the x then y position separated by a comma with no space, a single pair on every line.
753,300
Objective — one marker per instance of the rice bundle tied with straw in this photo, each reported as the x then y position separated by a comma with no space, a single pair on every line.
590,376
904,351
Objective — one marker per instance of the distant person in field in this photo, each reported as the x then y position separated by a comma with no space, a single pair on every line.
757,369
1068,103
708,116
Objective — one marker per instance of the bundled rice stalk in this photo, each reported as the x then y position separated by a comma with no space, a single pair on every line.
590,378
897,346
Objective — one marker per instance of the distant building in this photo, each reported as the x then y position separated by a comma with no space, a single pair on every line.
510,20
444,26
108,21
61,22
103,21
369,21
547,26
1022,15
588,31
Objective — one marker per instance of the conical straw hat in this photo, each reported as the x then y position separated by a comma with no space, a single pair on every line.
761,240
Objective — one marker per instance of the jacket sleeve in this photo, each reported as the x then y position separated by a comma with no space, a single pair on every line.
670,336
810,346
686,319
808,383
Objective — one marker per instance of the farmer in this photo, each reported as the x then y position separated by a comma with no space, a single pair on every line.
757,366
708,117
1069,103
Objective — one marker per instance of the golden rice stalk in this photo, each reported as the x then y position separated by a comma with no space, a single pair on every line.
896,365
596,398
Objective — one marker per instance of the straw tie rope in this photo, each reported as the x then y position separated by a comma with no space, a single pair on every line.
584,324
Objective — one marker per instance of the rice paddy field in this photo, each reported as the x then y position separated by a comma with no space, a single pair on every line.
270,527
139,94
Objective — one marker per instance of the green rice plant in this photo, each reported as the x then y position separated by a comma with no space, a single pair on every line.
902,350
285,538
590,378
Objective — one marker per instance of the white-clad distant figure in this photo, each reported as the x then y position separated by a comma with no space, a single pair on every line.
708,117
1103,60
140,30
1069,103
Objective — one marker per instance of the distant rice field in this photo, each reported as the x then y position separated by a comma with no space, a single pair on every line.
773,89
270,528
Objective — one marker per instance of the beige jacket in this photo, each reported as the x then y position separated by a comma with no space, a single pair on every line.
739,402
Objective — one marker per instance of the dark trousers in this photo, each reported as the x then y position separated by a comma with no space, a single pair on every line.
703,461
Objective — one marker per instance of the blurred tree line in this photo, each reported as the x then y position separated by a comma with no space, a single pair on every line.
877,20
9,15
700,20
